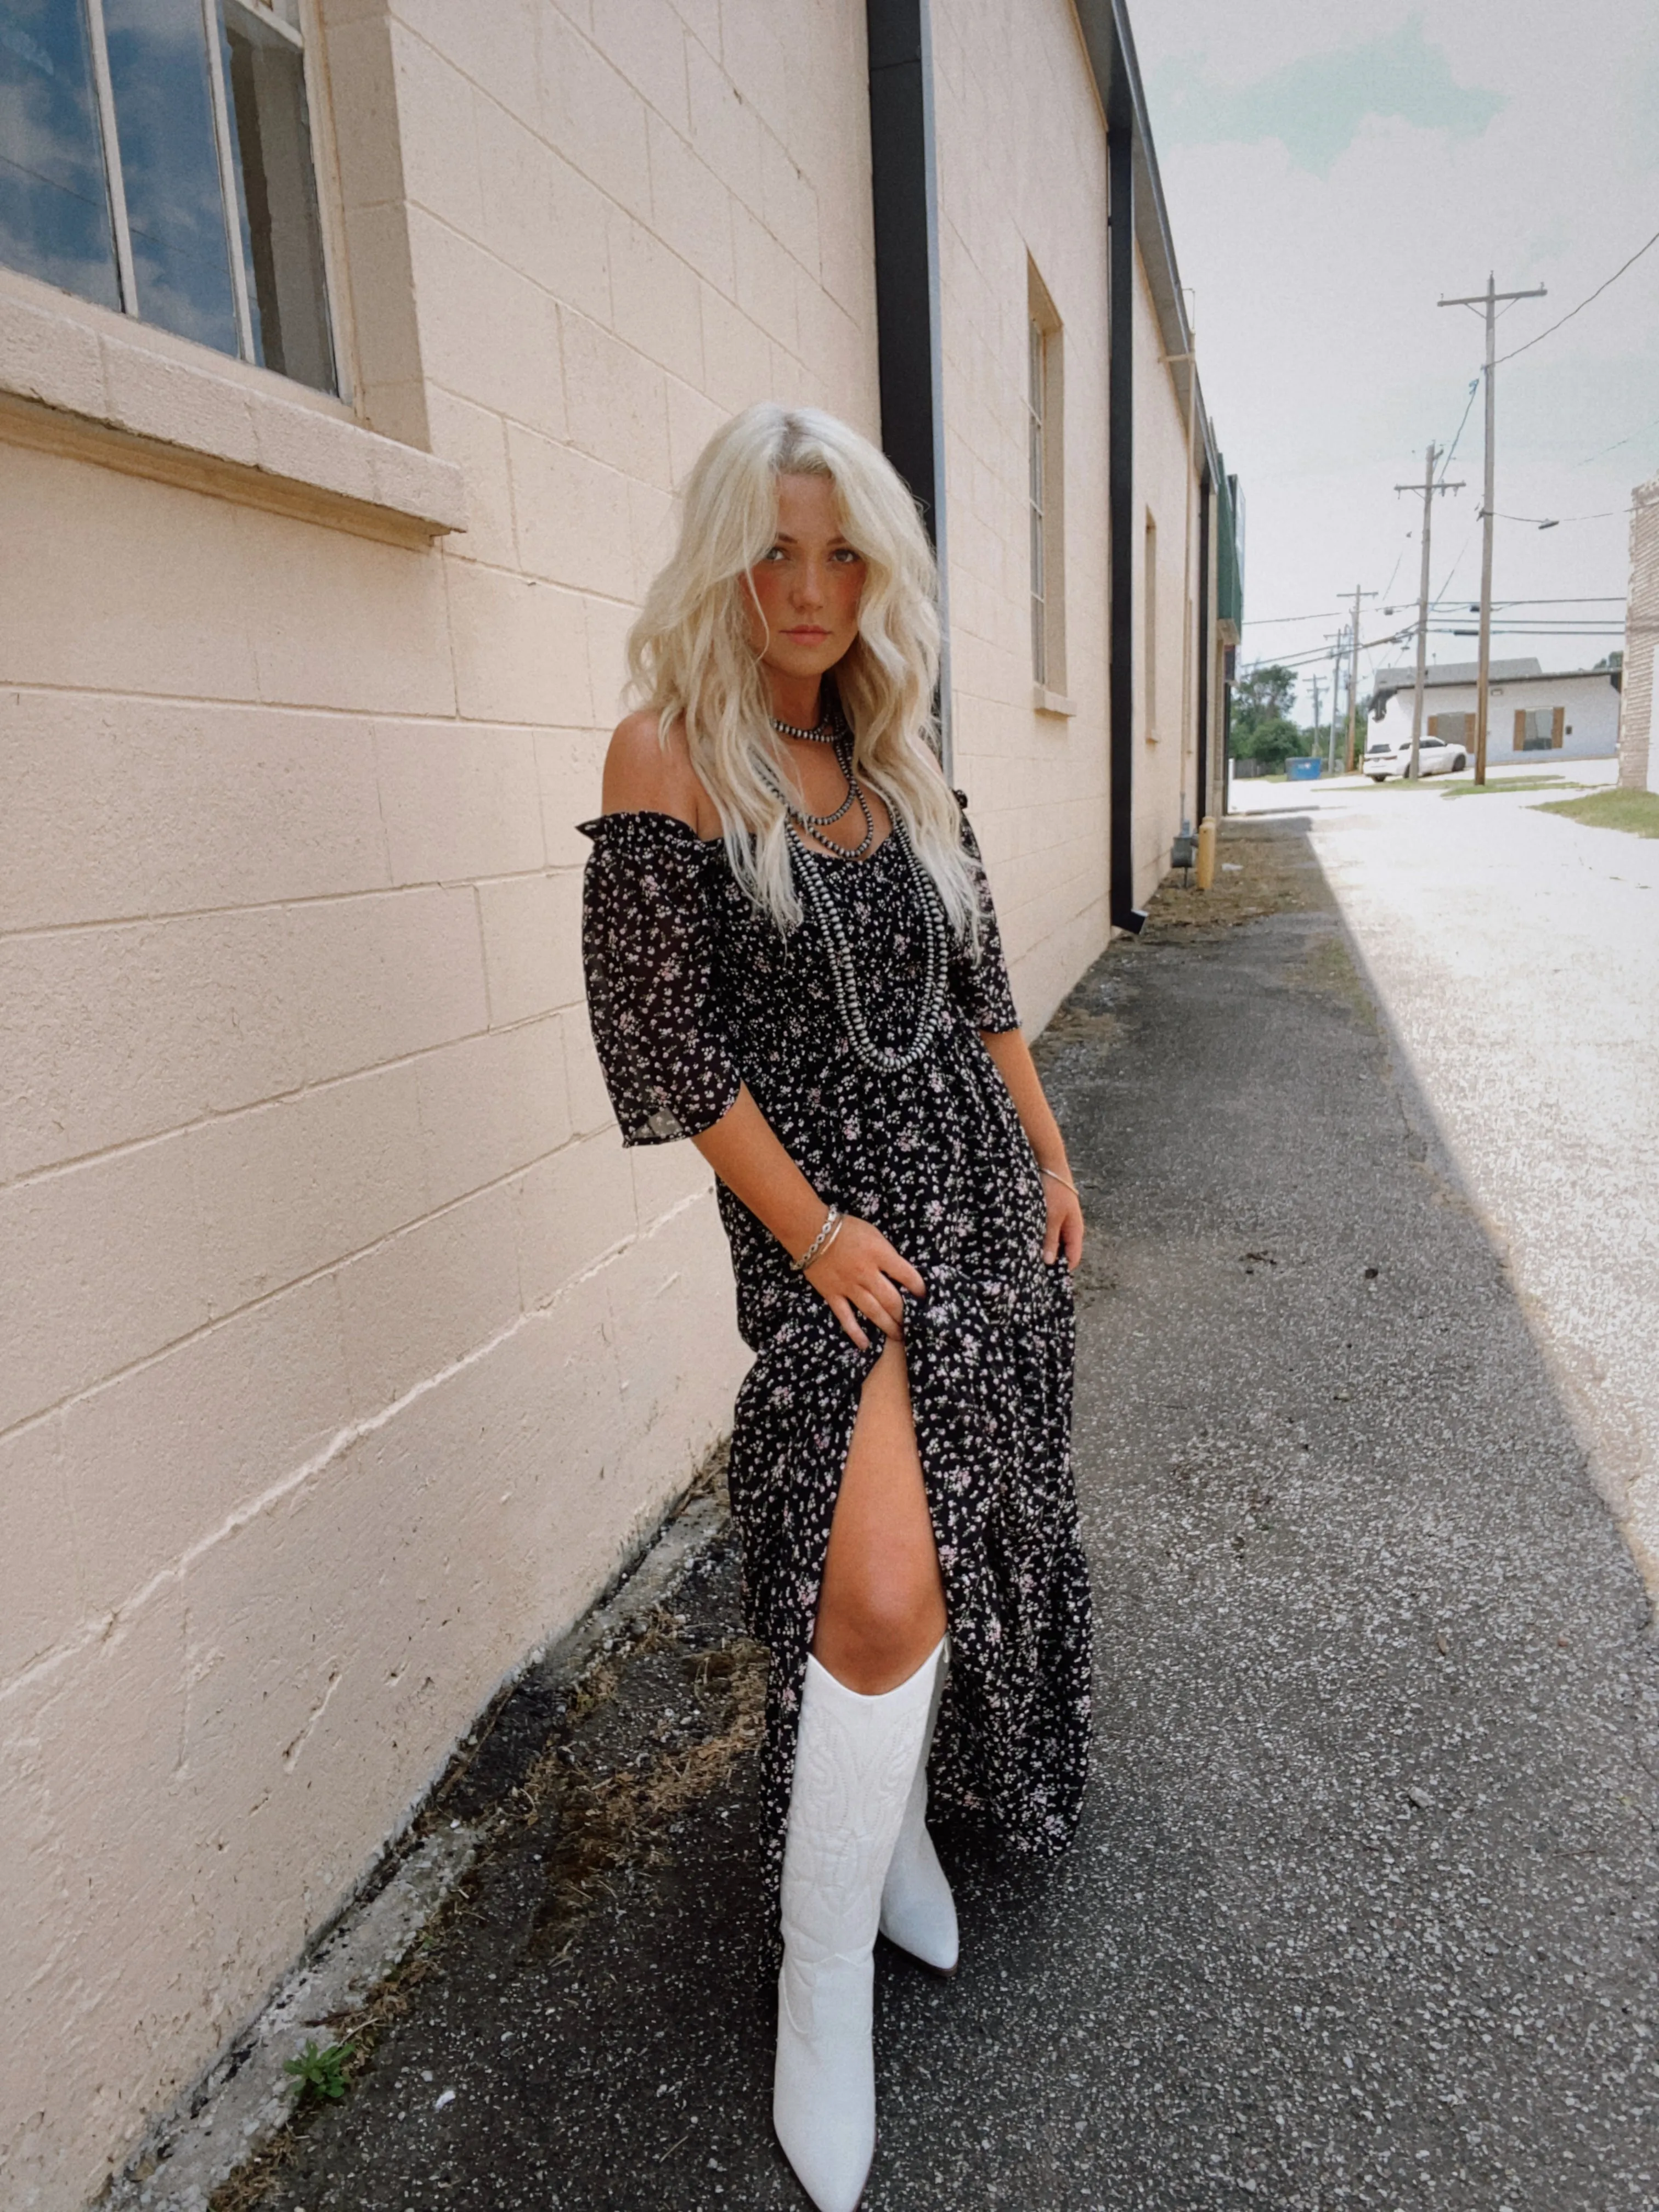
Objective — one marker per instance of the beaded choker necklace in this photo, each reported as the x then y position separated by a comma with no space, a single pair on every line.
814,823
828,731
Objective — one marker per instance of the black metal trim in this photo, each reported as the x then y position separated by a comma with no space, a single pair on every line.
904,201
1121,501
1205,645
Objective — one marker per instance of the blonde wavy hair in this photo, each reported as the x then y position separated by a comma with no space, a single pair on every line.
690,657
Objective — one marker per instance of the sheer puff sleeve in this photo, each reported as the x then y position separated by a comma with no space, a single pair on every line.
980,986
648,954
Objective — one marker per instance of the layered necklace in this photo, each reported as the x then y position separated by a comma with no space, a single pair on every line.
843,968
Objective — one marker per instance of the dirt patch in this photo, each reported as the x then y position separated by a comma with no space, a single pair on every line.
1263,866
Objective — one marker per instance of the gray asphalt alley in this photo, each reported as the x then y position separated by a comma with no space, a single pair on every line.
1362,1912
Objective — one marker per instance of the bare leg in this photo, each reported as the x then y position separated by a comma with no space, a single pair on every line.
881,1611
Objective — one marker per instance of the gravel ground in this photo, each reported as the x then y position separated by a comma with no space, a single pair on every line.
1362,1912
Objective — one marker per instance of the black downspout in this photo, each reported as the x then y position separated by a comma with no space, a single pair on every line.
905,208
1206,649
1120,500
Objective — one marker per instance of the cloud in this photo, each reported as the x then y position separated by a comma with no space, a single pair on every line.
1315,106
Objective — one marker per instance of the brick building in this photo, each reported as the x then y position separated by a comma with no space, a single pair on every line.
349,358
1638,755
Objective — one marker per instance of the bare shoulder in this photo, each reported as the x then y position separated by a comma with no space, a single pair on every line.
647,771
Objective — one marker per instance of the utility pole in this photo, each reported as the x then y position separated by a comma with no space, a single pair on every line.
1315,681
1336,689
1488,301
1428,487
1353,673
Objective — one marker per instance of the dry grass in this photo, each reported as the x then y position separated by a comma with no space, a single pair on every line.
623,1817
1637,811
1262,867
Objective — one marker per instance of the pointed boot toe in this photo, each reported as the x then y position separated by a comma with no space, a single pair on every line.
918,1912
824,2089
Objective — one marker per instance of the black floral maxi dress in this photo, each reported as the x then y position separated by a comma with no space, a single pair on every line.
693,990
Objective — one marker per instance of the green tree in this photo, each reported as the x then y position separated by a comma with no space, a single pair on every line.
1261,728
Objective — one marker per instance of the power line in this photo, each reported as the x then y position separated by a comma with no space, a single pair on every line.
1601,451
1583,303
1267,622
1474,387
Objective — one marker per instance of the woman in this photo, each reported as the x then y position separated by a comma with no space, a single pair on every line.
792,960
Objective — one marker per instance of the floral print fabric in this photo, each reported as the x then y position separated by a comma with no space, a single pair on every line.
692,991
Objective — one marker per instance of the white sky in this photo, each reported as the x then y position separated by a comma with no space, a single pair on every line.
1329,173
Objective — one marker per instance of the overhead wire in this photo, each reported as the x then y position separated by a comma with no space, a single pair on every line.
1583,304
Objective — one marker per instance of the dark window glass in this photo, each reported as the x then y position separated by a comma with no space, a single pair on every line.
282,234
158,61
54,209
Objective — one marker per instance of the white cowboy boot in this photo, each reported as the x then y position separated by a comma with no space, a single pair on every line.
855,1760
918,1912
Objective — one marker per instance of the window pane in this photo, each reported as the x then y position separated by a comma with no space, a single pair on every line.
158,60
54,210
280,232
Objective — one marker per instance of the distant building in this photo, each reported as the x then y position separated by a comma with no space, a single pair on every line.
1639,755
1573,714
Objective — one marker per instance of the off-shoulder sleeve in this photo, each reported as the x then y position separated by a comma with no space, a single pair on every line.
648,949
979,985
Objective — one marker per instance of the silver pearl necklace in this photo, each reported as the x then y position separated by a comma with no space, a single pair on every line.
815,823
843,971
825,734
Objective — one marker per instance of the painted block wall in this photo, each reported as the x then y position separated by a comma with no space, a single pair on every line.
345,1353
1022,181
1638,755
1166,749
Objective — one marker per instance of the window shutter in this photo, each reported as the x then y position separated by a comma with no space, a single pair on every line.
1520,729
1557,726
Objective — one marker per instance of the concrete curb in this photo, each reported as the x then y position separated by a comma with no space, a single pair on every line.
236,2108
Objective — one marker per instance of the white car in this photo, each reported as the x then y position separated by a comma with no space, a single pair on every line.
1389,756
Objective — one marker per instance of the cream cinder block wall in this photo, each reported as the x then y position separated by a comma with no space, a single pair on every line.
345,1353
1165,769
1022,170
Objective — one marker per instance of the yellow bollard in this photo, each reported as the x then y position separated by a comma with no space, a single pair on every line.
1206,853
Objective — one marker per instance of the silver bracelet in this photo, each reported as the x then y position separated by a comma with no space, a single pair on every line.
1054,1175
821,1244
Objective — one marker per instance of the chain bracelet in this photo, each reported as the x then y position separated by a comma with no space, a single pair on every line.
820,1244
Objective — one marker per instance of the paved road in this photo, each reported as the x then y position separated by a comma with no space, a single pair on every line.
1517,956
1361,1913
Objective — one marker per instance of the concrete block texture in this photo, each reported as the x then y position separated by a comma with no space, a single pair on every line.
349,1353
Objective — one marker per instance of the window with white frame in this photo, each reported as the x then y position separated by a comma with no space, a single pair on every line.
1044,406
1039,610
155,157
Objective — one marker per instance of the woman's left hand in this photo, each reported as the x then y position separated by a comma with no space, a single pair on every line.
1064,1232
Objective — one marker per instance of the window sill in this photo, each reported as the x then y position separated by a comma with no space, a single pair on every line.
79,379
1051,703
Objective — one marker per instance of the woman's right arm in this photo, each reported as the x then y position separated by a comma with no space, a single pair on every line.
860,1273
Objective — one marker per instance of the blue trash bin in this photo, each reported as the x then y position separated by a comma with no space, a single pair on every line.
1303,768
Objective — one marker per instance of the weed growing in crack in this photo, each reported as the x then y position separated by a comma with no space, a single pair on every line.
320,2073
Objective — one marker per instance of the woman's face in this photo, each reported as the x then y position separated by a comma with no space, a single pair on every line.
804,615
